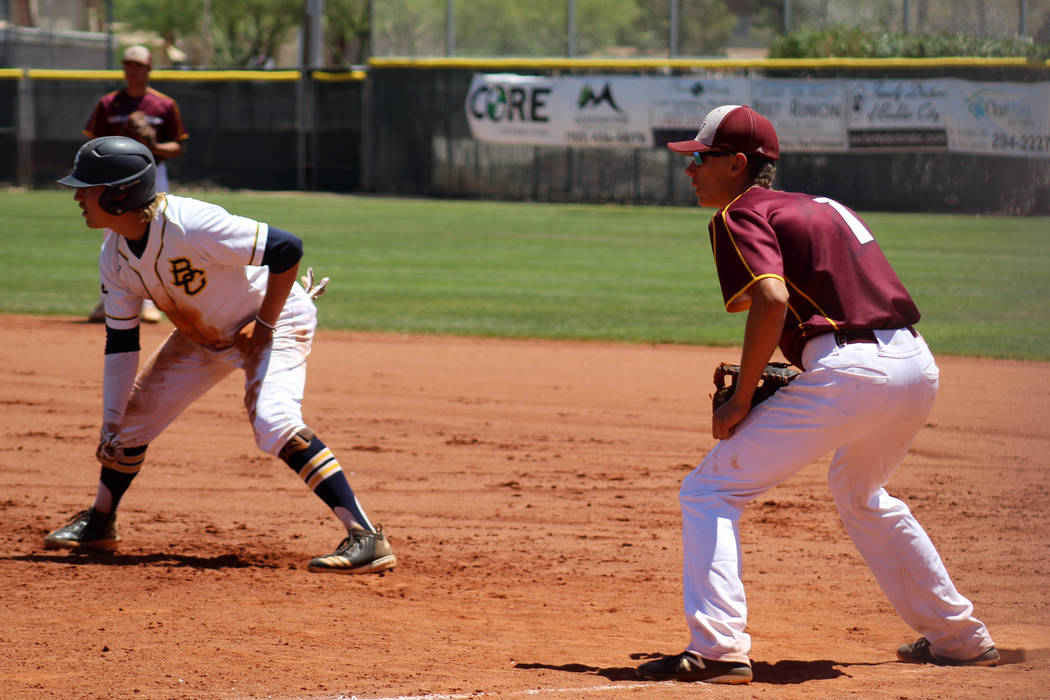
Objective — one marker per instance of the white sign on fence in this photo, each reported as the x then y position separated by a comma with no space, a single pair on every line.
819,116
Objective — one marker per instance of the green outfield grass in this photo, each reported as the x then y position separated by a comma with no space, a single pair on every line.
557,271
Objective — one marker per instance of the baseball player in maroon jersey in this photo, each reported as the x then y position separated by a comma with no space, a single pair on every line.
814,281
110,118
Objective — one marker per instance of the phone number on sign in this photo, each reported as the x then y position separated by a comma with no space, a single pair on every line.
1024,142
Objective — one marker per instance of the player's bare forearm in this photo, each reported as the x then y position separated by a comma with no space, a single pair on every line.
258,332
277,290
765,322
169,149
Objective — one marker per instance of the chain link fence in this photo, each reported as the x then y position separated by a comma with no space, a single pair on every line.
625,28
261,133
418,142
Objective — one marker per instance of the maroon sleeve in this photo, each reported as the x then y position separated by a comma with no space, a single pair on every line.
745,250
96,124
171,127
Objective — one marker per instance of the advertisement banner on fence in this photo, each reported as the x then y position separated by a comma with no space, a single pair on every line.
507,108
817,116
897,114
605,111
809,115
569,111
680,103
677,105
999,118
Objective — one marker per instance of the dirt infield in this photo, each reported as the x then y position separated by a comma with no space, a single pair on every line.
530,491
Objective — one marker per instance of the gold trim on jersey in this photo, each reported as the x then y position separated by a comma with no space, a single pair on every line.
127,262
255,244
725,225
814,304
175,314
746,305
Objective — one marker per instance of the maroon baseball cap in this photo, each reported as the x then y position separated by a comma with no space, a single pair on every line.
733,128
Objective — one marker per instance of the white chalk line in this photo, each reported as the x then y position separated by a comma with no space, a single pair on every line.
479,694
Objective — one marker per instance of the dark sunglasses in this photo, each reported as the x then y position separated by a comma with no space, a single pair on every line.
698,158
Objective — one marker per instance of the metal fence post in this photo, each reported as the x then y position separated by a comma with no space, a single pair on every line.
570,30
672,42
6,33
364,151
25,131
450,28
111,42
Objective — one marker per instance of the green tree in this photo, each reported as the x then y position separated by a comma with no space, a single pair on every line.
247,32
172,20
241,31
538,27
603,26
175,18
347,31
704,28
409,27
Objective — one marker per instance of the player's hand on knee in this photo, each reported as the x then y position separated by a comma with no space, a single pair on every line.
253,336
726,417
110,450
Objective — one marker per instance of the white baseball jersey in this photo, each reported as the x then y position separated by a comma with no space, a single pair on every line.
201,267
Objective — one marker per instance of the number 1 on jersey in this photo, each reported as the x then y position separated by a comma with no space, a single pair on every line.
856,225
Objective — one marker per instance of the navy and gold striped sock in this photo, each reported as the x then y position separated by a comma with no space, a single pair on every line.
315,464
116,480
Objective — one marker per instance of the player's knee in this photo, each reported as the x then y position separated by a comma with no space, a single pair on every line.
299,441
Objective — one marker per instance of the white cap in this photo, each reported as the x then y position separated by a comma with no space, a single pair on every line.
137,54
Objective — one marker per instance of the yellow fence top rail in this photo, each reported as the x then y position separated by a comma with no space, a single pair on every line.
709,63
184,75
488,64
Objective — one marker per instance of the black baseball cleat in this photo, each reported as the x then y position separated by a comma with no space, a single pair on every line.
362,552
919,652
88,530
688,667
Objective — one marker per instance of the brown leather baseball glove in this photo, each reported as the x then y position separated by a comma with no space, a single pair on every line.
775,376
138,127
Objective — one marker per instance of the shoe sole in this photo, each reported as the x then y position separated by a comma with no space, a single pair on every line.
376,565
95,546
942,661
724,679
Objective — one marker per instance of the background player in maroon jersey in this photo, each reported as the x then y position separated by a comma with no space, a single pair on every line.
813,281
110,118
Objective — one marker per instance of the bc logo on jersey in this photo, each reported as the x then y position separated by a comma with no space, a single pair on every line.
184,275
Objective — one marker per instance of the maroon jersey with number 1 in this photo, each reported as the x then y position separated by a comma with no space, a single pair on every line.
836,275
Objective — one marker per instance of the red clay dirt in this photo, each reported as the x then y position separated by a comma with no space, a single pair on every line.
530,491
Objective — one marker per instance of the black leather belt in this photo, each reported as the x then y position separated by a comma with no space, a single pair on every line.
863,335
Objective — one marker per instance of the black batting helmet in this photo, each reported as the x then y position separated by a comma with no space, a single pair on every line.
123,165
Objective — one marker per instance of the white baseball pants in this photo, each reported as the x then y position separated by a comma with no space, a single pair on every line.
181,371
866,402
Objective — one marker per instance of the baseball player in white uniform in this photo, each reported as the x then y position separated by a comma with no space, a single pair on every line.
228,285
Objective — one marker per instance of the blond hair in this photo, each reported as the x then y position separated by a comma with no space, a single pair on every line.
762,170
147,212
